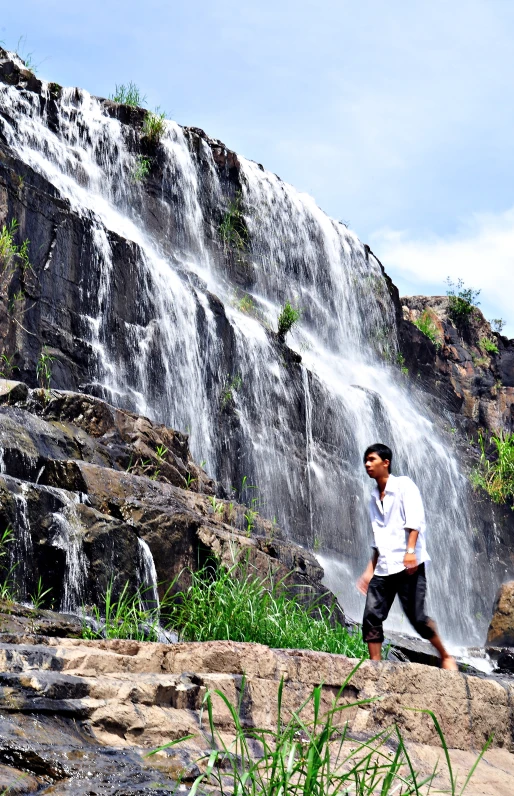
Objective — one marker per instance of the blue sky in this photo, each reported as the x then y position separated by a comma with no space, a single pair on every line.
397,117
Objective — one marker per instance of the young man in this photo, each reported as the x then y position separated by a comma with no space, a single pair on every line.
397,566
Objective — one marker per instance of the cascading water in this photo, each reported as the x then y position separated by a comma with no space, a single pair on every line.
148,576
299,440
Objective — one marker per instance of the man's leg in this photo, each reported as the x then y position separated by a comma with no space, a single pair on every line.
412,594
379,599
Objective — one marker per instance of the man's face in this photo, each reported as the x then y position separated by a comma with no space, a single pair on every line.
375,466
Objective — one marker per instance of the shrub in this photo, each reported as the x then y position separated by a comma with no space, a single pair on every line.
128,95
288,317
154,126
461,302
488,345
232,230
312,752
239,605
496,476
246,304
426,325
497,324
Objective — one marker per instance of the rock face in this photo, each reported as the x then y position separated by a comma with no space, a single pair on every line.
82,483
473,383
501,629
69,706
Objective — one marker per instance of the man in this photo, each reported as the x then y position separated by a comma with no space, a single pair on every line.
397,566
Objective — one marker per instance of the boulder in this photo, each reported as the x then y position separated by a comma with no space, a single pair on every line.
501,629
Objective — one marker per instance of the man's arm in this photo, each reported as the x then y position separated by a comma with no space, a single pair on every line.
410,561
363,581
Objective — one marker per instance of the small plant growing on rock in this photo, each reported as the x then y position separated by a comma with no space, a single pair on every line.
44,369
154,126
12,254
461,302
161,452
287,318
128,95
426,325
496,475
6,585
246,304
488,345
141,170
7,365
217,505
231,385
39,595
232,230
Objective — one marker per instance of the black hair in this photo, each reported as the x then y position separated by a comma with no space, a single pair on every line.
383,451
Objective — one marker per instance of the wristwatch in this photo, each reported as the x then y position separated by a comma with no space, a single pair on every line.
411,550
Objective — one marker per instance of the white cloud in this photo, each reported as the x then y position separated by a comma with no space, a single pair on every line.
481,253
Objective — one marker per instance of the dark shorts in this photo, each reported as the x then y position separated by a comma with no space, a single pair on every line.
411,590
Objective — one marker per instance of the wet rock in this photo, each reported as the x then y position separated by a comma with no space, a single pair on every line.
501,629
505,661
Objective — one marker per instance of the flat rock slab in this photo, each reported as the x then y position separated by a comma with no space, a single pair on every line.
66,701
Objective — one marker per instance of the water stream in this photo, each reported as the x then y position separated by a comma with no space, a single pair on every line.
299,440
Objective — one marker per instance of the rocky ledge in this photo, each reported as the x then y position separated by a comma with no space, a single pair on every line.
82,483
79,716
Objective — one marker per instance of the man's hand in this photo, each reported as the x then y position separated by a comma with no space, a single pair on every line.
363,582
410,562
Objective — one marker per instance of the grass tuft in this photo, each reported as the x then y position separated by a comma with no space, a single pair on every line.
287,318
426,325
154,126
128,95
496,476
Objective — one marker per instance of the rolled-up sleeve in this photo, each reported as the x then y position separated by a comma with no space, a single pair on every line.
413,507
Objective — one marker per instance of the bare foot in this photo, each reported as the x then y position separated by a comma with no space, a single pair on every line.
449,663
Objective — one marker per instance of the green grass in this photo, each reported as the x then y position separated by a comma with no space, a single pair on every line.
426,325
128,94
488,345
496,476
287,318
241,605
154,126
11,254
141,169
311,752
232,230
233,604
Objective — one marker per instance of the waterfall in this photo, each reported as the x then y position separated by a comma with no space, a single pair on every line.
156,346
69,537
20,551
148,576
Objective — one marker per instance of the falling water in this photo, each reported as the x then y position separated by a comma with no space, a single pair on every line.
68,536
148,576
299,440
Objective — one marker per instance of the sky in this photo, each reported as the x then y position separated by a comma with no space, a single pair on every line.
396,117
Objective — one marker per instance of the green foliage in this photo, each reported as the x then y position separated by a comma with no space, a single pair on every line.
461,302
154,126
7,365
496,476
287,318
312,752
161,452
246,304
488,345
217,505
126,616
6,581
426,325
44,369
128,95
26,57
240,605
232,230
400,360
142,169
39,595
497,324
231,385
11,254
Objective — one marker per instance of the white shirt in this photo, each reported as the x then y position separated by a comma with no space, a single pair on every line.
402,512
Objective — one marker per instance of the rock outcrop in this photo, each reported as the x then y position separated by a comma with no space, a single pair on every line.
501,629
81,482
80,716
